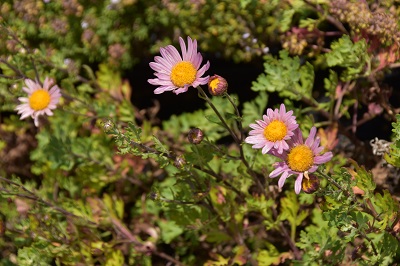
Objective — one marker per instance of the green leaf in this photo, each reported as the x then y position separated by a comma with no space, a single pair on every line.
169,230
290,208
107,78
364,179
137,131
253,110
393,157
268,257
353,57
115,258
216,236
114,205
286,19
386,207
159,146
286,76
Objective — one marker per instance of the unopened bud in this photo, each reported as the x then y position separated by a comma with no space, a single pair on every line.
310,183
179,161
217,85
108,125
154,195
195,136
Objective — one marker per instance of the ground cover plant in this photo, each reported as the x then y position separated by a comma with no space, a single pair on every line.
300,167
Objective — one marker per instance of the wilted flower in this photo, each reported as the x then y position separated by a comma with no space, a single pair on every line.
40,100
217,85
301,158
176,73
310,183
179,161
273,131
195,136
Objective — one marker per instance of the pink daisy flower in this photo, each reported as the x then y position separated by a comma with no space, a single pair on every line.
272,133
40,100
176,73
301,159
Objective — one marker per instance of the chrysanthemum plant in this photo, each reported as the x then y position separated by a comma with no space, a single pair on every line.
247,184
220,190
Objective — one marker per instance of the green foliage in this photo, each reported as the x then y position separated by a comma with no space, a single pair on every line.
286,76
206,120
320,239
351,56
102,182
393,157
253,109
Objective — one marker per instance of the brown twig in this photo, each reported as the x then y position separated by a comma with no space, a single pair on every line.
128,235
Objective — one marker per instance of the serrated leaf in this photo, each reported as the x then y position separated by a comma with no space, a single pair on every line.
159,146
351,56
286,19
286,76
137,131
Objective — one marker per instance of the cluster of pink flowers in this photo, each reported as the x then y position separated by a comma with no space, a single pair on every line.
279,134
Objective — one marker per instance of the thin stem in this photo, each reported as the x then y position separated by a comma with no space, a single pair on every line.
239,120
336,184
225,125
127,234
32,196
13,68
254,175
372,244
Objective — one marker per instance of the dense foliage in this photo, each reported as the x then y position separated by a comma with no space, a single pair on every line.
103,182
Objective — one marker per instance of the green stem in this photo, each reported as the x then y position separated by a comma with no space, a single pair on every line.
225,125
240,126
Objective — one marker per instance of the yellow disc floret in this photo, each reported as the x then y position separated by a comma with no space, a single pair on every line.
300,158
183,73
214,84
276,130
39,100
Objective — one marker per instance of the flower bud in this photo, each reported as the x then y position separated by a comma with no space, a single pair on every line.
179,161
154,195
195,136
310,183
108,125
217,85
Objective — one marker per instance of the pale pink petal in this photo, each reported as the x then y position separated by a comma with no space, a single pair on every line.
25,109
164,64
297,184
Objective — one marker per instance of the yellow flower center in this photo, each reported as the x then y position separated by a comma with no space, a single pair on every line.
276,130
183,73
214,84
39,100
300,158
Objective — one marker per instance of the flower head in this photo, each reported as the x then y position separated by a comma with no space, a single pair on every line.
195,136
176,73
217,85
40,100
302,158
273,132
